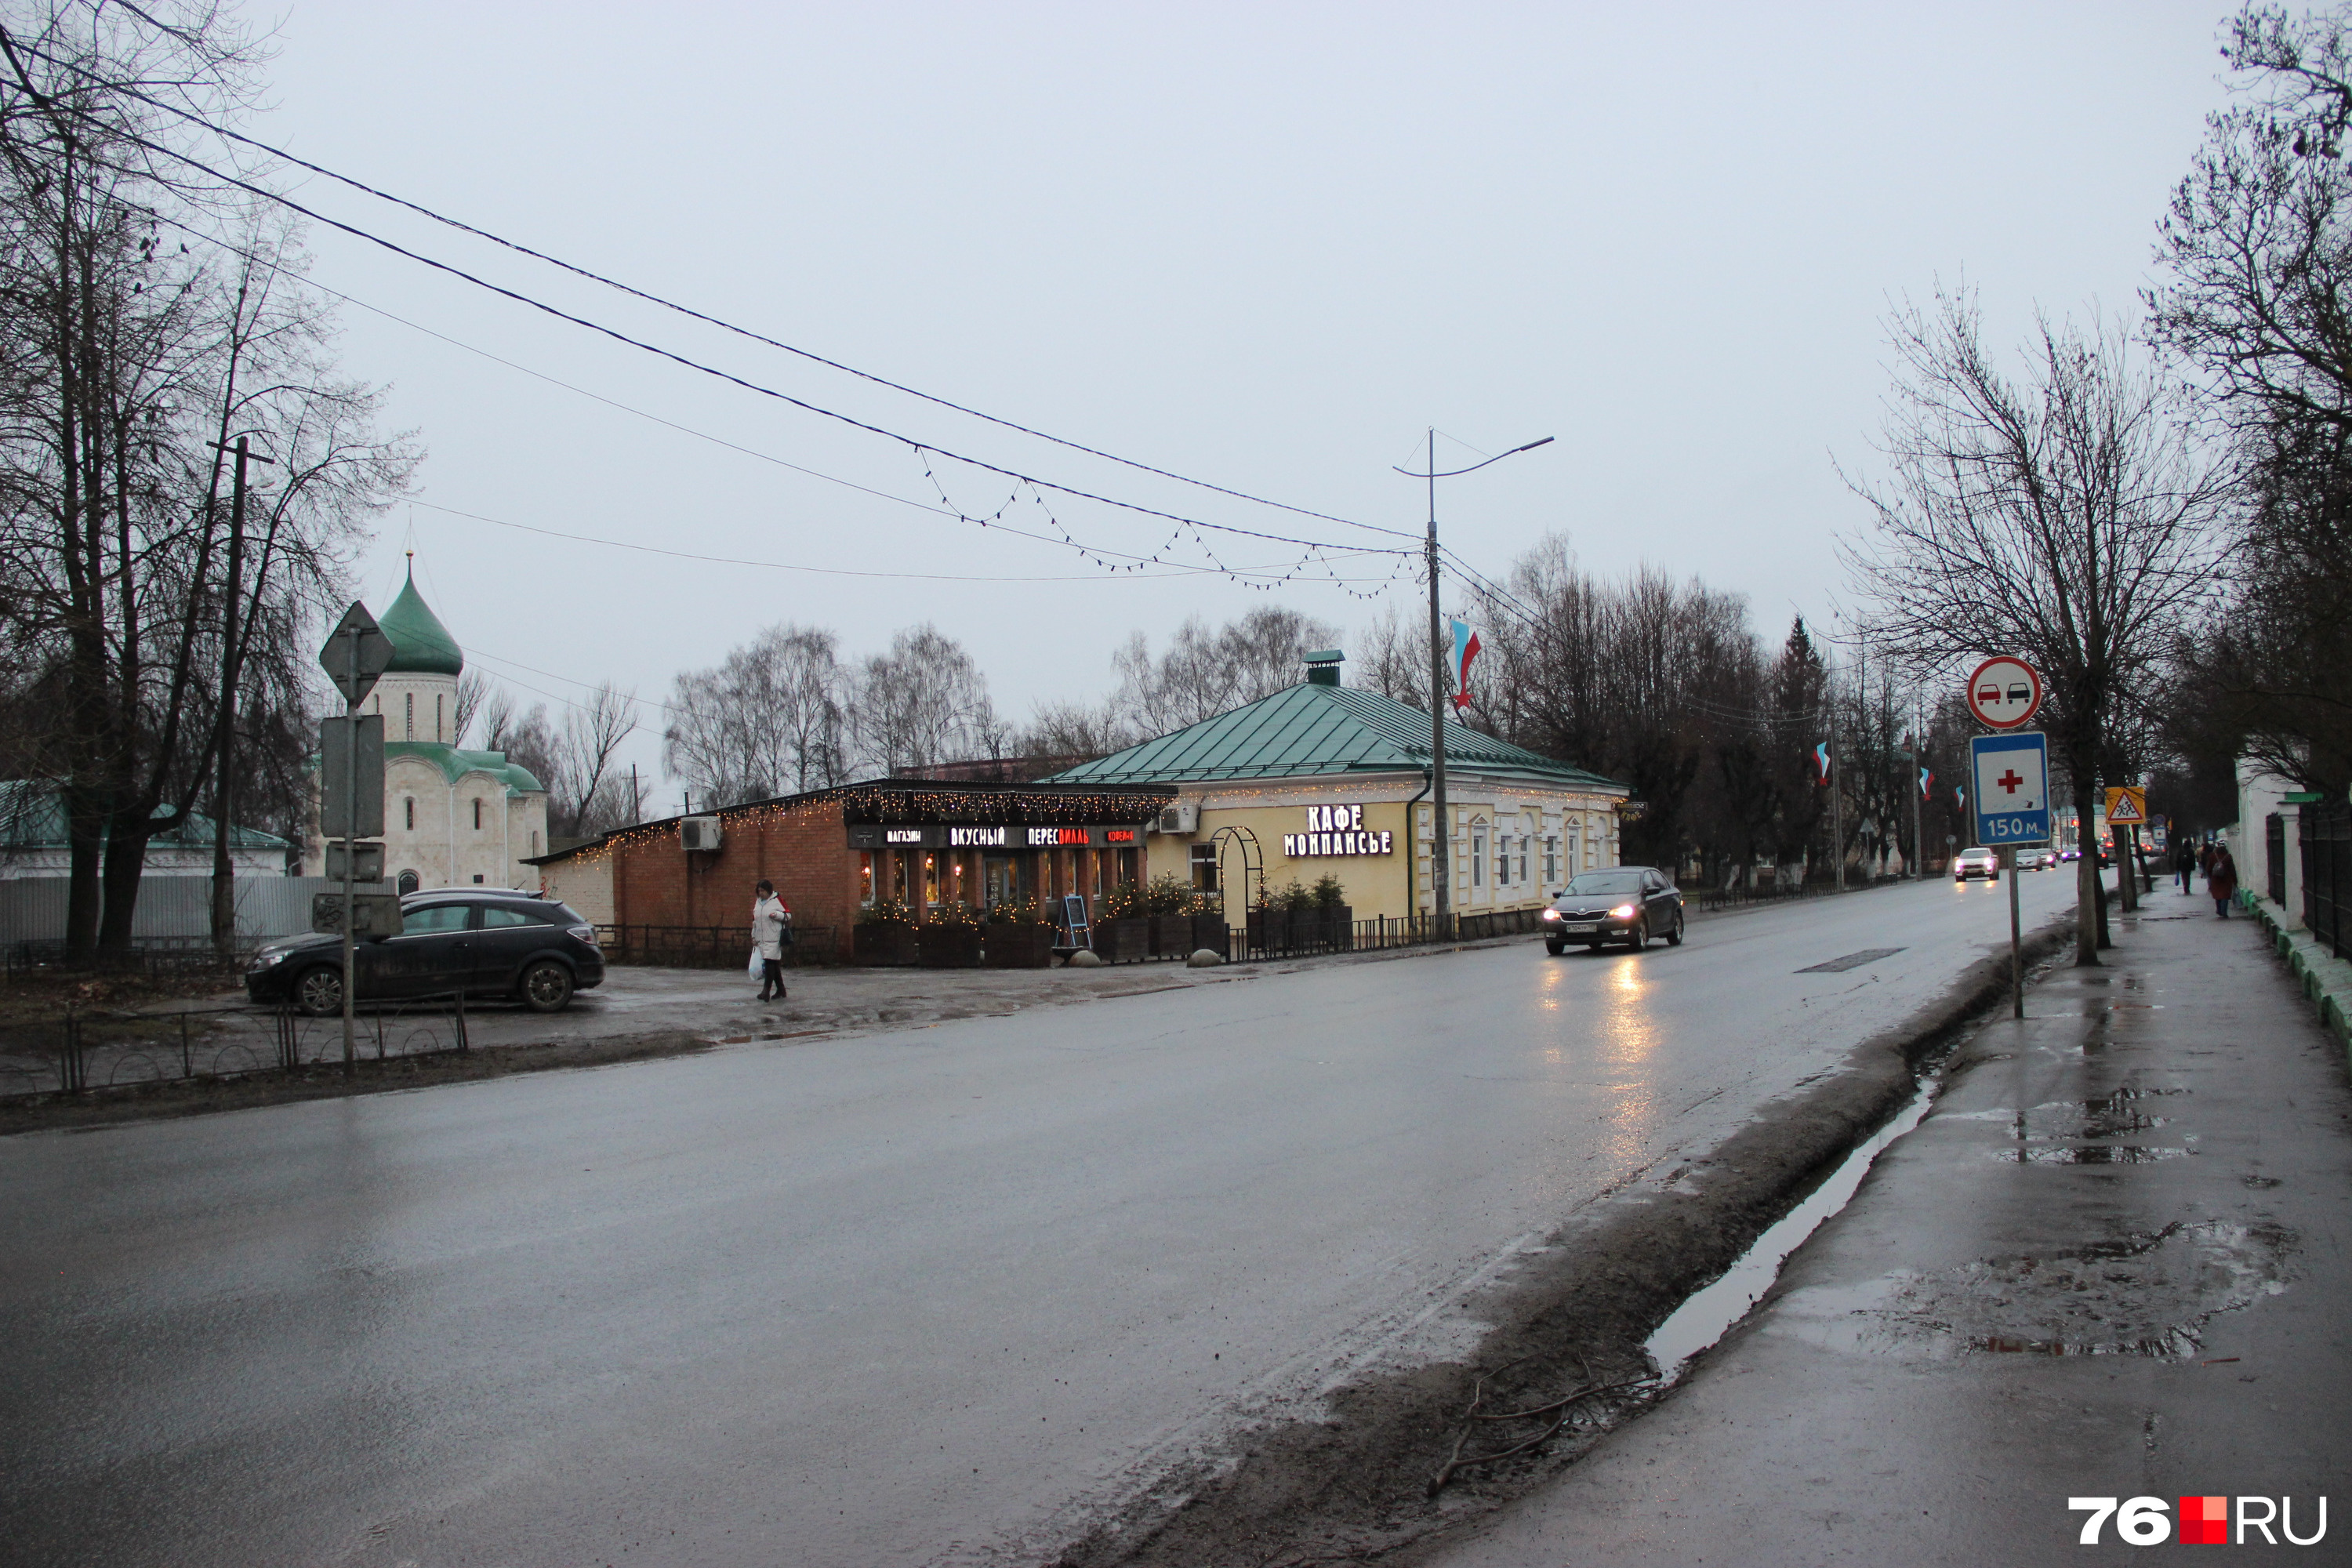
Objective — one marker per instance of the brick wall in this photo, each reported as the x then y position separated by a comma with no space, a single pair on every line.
803,850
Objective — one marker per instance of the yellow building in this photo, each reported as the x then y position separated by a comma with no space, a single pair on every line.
1325,779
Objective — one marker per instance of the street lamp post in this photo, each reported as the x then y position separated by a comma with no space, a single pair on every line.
1441,825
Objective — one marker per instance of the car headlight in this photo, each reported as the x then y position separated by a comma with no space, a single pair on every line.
1622,913
268,958
1551,914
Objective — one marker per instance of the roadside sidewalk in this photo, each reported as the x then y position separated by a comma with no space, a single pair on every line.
2115,1262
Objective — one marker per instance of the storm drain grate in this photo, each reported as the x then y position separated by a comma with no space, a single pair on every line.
1851,961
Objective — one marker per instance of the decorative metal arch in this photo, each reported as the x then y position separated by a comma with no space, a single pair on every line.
1252,862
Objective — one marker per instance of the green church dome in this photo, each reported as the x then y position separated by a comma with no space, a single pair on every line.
421,644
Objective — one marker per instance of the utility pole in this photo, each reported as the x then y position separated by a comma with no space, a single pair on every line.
1837,804
1918,855
225,733
1441,836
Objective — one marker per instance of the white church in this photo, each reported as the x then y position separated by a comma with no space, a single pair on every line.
451,817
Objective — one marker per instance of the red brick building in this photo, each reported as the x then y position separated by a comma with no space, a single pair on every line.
831,852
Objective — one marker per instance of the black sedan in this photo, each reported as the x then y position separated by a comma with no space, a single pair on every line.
478,941
1627,903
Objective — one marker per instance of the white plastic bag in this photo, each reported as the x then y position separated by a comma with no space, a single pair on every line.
759,970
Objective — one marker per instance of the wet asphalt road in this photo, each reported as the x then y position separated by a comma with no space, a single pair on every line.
2112,1262
928,1296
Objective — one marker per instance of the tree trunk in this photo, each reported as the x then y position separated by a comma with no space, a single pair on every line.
2089,916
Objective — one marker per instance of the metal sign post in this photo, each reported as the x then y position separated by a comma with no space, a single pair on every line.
354,656
2011,777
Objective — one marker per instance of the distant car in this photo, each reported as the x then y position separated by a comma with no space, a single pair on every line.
2036,860
481,942
2070,855
1627,903
1976,863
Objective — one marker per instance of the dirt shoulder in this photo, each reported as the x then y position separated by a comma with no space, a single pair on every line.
1356,1486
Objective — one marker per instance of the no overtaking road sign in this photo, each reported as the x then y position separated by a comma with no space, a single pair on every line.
2012,787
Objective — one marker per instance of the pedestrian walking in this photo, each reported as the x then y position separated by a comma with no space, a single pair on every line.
2221,879
772,931
2184,860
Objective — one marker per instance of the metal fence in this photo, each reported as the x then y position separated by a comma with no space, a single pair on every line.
170,909
79,1051
710,947
2326,831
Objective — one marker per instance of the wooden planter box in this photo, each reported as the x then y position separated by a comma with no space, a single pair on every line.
948,946
1171,936
883,946
1124,941
1017,947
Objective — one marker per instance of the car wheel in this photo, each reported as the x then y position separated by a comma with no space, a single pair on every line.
1674,936
1554,948
318,992
546,986
1639,937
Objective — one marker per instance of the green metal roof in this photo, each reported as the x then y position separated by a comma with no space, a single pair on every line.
456,764
32,816
1309,730
421,644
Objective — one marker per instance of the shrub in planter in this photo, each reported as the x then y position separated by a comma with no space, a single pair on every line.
951,940
884,934
1015,938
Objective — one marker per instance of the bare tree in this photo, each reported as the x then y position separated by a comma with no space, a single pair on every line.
2071,517
585,796
2258,247
1205,673
1076,730
767,720
924,701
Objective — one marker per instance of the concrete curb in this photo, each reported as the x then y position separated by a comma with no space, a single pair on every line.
2325,979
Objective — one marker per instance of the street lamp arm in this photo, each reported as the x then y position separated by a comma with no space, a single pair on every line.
1449,473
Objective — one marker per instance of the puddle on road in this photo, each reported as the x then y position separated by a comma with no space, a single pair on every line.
1705,1317
2087,1154
2149,1295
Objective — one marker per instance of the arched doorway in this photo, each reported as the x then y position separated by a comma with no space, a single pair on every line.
407,883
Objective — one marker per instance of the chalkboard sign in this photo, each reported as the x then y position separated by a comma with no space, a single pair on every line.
1075,921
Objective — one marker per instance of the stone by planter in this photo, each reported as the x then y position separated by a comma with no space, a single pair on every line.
1124,941
1172,935
883,945
1017,946
949,946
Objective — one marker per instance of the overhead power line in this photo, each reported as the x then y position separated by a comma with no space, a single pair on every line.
632,292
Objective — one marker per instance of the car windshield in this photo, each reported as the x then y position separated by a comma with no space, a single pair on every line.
1600,884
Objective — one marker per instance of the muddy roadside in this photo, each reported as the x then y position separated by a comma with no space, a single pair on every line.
1400,1455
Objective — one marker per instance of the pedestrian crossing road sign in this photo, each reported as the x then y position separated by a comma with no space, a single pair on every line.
2128,807
2012,787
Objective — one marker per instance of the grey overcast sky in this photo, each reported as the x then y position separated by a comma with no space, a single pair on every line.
1265,246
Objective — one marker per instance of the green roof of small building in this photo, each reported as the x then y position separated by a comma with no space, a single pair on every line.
421,644
456,763
1308,731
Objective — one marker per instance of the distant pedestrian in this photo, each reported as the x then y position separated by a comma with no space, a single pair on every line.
2184,860
2221,879
772,928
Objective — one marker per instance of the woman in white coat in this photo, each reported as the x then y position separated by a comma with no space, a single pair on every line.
771,927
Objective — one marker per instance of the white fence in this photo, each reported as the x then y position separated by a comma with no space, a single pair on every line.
170,909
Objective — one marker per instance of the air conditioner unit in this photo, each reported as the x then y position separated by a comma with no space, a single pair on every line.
1182,817
699,833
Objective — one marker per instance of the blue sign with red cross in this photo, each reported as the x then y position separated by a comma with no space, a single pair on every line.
2011,773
